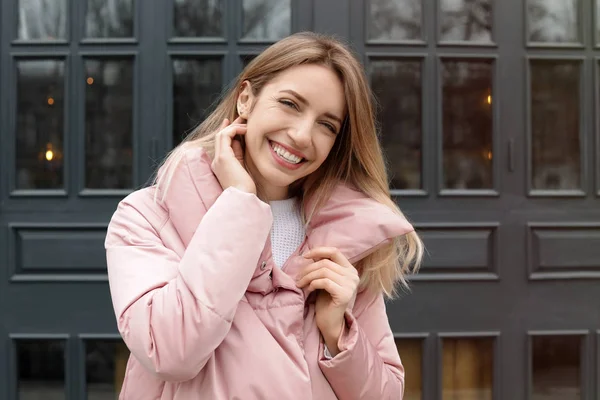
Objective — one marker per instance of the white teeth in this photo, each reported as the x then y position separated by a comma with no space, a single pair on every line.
285,154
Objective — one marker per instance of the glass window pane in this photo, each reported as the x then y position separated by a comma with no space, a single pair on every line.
467,123
398,87
597,22
196,86
466,21
105,364
411,353
467,368
42,20
40,123
266,19
398,20
556,363
550,21
41,369
198,18
108,123
555,114
109,19
246,59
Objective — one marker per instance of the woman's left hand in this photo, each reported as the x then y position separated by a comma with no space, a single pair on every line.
338,280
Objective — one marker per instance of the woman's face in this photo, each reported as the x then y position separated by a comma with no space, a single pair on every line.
292,126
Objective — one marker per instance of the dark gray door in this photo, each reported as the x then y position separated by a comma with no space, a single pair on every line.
489,119
489,116
77,111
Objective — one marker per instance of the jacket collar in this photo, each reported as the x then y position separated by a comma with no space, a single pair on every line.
349,220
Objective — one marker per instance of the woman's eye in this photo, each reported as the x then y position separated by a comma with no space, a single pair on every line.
288,103
330,127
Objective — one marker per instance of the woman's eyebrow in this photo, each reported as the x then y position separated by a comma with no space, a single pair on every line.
305,102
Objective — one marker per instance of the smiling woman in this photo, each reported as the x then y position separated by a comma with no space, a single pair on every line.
290,132
265,248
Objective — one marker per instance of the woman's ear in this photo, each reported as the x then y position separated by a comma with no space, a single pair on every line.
245,100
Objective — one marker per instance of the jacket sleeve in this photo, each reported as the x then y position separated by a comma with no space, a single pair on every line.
172,311
368,365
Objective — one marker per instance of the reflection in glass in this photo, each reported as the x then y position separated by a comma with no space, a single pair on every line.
198,18
41,369
552,21
556,364
42,20
39,125
246,59
395,20
108,123
411,353
466,21
555,114
105,364
467,368
467,123
196,86
597,22
398,87
266,19
109,19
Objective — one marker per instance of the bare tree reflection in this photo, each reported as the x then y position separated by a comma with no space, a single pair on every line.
41,369
397,85
109,124
555,111
597,22
266,19
467,124
42,19
196,85
556,367
395,19
553,21
109,18
40,122
197,18
466,20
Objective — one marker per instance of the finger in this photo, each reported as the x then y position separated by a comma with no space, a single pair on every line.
324,263
236,145
225,137
221,127
325,284
332,253
233,129
338,278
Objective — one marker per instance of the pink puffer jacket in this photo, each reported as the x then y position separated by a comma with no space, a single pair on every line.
207,315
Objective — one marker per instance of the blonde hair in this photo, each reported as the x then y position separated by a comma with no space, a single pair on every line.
356,157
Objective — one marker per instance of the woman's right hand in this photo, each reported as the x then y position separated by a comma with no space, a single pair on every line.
228,162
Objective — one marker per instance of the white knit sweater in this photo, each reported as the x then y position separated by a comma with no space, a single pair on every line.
288,231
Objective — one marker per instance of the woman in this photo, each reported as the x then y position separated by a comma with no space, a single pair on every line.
257,265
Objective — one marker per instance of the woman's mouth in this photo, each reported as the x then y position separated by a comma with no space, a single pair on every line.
284,157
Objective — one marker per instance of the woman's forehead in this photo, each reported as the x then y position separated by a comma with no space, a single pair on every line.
311,83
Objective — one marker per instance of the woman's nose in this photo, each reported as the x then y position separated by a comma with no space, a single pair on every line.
301,135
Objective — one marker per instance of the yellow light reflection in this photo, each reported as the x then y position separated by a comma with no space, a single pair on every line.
489,155
489,99
49,155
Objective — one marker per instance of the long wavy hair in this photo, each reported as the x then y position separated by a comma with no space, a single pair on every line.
356,157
